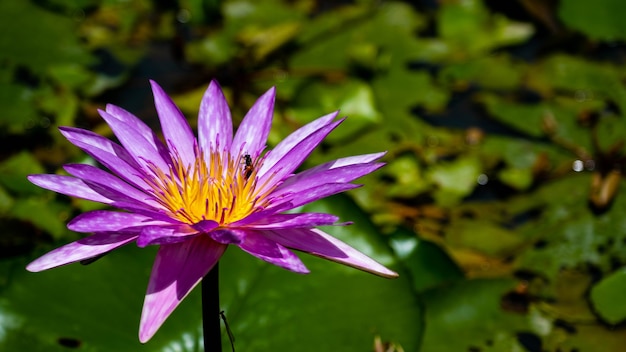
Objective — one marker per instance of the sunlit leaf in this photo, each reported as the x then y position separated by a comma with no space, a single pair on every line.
606,293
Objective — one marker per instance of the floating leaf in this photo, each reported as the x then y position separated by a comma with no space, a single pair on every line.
606,293
470,312
600,20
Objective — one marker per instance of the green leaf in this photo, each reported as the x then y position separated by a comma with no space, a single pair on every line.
467,315
489,72
96,307
18,108
483,236
520,179
571,234
600,20
428,264
13,172
470,29
57,42
354,99
46,215
455,179
607,297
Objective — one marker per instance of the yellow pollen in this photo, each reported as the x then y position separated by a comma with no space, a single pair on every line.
222,191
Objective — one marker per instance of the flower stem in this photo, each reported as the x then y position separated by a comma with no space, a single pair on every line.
211,311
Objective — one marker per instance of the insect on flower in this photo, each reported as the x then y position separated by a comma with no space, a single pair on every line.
248,167
190,197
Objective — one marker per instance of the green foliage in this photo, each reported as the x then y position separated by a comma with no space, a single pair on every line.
606,293
600,21
501,204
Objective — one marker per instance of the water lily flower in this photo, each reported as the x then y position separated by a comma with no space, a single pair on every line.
195,197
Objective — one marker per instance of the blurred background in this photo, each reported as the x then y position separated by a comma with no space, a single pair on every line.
501,205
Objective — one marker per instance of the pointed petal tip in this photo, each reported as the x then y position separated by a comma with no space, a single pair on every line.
33,267
156,88
382,272
145,334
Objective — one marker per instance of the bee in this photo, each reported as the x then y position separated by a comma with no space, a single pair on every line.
248,167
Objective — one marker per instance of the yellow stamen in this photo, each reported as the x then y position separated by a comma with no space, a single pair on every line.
223,191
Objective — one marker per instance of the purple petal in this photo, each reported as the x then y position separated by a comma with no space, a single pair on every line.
252,133
296,137
105,220
215,125
259,215
68,185
205,226
177,270
85,248
140,146
282,221
347,163
270,251
134,207
323,245
228,236
95,140
165,234
176,130
109,154
117,189
136,125
311,194
294,157
344,174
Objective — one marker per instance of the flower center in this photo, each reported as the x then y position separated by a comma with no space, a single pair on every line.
222,190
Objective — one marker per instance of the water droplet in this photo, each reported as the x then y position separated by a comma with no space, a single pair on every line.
482,179
183,16
578,165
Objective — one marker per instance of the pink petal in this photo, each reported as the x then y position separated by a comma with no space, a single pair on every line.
309,195
215,125
354,163
342,174
294,157
109,154
117,189
252,133
68,185
85,248
268,250
281,221
227,236
177,269
176,130
141,146
105,220
137,125
323,245
165,234
294,138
